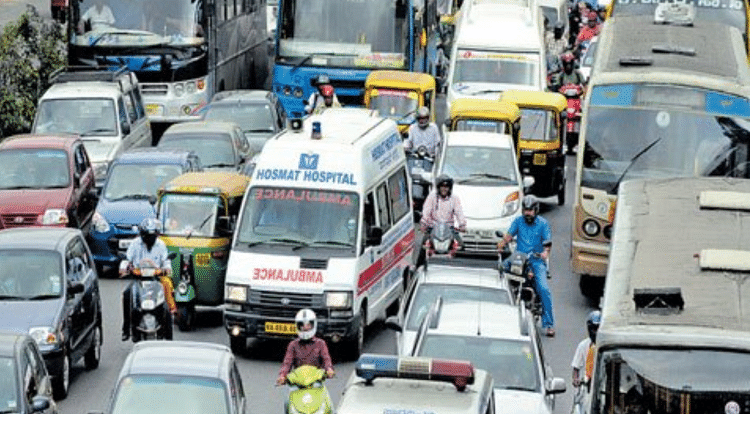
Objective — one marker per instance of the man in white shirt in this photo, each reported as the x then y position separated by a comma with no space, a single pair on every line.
99,17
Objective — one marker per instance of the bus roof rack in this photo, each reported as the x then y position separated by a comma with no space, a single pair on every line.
636,61
673,49
659,300
677,13
88,73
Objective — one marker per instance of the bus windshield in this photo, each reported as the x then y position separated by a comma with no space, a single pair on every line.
632,380
730,12
344,33
138,22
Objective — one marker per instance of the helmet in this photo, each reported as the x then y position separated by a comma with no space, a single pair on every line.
530,202
559,29
322,80
593,16
326,90
567,58
593,321
303,318
423,116
444,179
149,229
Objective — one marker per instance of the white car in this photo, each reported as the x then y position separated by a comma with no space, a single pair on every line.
487,180
452,283
587,59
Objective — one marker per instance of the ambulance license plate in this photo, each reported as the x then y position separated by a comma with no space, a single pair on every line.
281,328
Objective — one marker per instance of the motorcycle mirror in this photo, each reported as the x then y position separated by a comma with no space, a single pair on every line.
528,181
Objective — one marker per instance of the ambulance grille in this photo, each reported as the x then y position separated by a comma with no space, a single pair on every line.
282,304
313,263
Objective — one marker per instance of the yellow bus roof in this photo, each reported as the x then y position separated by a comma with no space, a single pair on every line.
536,99
400,80
480,108
225,183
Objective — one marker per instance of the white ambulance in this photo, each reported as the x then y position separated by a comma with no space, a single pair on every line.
326,224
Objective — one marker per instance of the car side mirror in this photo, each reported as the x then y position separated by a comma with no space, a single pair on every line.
555,386
392,323
374,236
125,127
40,403
76,180
75,287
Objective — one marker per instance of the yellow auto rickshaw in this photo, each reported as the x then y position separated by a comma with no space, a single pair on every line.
542,140
485,115
398,95
198,211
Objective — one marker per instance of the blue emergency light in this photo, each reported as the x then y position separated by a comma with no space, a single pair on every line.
372,366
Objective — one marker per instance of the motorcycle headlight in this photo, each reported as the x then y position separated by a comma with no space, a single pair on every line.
236,293
338,299
148,304
516,268
160,297
45,335
443,246
100,223
511,204
55,217
182,288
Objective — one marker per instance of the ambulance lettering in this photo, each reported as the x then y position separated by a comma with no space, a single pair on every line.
288,275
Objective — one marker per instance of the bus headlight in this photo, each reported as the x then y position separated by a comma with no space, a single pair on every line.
287,90
190,87
298,92
338,299
179,89
236,293
591,227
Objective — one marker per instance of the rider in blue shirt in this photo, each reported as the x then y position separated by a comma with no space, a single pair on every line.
533,235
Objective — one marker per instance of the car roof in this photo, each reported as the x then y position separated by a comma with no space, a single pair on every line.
37,238
241,95
186,358
203,126
469,276
35,141
154,155
8,343
479,319
471,138
82,90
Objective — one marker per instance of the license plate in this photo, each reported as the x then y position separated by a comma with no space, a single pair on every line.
124,244
281,328
153,109
202,259
540,159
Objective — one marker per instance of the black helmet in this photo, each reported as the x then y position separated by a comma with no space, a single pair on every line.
593,321
444,179
149,230
322,80
559,29
530,202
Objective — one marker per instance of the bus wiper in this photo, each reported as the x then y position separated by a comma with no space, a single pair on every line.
222,165
8,297
483,175
613,190
108,33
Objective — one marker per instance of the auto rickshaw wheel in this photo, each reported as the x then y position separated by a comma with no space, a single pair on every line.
238,344
561,193
185,317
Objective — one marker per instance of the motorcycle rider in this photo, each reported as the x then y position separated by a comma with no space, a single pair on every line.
306,349
591,29
146,251
533,235
318,99
569,75
442,205
583,359
423,133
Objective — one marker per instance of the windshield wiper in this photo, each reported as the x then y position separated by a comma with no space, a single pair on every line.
200,227
613,190
131,196
333,243
94,131
509,387
42,297
475,176
259,131
9,297
108,33
220,165
21,188
487,91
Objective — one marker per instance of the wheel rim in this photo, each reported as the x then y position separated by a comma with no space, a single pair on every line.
97,343
361,332
66,372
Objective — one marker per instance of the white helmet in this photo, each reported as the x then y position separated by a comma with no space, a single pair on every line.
304,318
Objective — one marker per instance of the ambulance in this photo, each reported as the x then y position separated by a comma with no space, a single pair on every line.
326,224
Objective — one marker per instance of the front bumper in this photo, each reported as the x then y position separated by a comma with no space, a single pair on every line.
251,325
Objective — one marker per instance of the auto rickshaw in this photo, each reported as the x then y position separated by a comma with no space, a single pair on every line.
542,140
398,95
198,212
485,115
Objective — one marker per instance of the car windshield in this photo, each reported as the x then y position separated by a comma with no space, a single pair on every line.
489,126
34,169
300,217
538,125
8,393
251,117
143,394
30,274
588,56
192,215
480,67
85,116
512,363
212,150
394,103
427,293
480,165
138,181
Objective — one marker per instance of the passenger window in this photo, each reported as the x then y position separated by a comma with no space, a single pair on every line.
78,264
139,103
132,113
369,218
124,124
29,380
382,206
399,194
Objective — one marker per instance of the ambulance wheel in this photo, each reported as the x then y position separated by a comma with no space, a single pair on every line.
357,344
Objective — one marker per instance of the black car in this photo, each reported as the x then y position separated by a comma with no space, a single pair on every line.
49,289
25,386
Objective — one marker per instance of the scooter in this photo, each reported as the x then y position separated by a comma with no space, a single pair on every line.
308,394
184,294
150,317
441,242
419,163
572,93
521,279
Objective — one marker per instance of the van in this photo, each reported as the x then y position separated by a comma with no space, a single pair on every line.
513,57
104,107
326,224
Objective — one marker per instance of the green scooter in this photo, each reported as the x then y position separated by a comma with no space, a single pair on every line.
308,394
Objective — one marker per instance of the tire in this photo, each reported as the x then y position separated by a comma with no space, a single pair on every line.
572,141
238,344
61,382
94,354
185,317
561,194
169,327
357,344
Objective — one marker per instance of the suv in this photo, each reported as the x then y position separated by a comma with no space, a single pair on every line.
501,339
452,283
50,289
46,180
220,145
128,197
105,107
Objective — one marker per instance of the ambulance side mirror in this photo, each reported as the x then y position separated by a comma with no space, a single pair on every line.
374,236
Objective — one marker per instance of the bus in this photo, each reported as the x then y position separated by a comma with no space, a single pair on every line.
182,51
675,330
663,101
346,40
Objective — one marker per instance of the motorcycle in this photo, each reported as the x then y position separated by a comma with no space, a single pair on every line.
521,279
441,242
308,394
572,93
419,163
150,318
184,293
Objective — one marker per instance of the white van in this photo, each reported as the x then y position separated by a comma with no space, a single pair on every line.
497,47
105,107
326,224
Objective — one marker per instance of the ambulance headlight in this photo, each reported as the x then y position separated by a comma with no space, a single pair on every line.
236,293
338,299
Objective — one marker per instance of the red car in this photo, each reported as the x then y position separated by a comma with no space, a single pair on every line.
46,180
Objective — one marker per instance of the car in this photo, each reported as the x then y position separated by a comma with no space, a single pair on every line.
128,198
500,338
220,145
486,178
452,283
25,386
258,113
178,377
587,59
50,290
46,180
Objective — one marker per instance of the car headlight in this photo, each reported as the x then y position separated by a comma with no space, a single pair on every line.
55,217
338,299
511,204
45,335
190,87
100,223
100,170
179,89
236,293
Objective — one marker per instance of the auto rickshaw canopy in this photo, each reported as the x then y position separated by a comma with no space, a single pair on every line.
221,183
551,101
484,109
395,79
